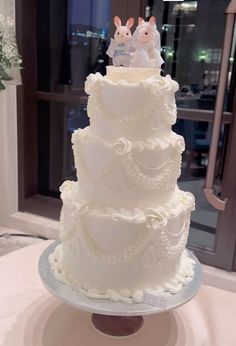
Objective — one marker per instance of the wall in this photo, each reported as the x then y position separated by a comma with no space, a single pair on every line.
9,215
8,154
8,144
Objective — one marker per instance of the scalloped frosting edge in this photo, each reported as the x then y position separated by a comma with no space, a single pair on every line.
173,140
182,278
183,202
158,84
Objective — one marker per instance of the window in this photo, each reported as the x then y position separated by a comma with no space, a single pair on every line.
72,42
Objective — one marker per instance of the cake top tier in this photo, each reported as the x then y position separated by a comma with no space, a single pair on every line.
132,74
138,104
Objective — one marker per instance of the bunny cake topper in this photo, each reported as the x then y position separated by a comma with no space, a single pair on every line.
119,48
146,45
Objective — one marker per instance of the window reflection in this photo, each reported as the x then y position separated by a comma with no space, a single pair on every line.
197,135
192,34
73,39
57,122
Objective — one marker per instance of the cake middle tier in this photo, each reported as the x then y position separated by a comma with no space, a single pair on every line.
125,173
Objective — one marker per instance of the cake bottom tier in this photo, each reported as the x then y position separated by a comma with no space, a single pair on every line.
120,254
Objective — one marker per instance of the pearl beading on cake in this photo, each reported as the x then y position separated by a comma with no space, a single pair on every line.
167,249
170,168
163,88
173,251
171,286
169,109
96,106
153,219
184,203
167,173
107,171
173,140
163,180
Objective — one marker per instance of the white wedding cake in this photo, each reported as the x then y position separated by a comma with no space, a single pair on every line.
125,222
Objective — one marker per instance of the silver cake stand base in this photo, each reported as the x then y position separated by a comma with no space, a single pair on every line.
117,319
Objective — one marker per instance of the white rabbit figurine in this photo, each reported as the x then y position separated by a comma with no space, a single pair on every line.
119,48
146,45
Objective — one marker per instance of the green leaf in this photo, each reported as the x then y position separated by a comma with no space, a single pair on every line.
4,75
2,86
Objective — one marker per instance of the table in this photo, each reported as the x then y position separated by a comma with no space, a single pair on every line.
30,316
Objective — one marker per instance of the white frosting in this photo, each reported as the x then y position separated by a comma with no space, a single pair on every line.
134,171
133,75
170,286
142,110
124,224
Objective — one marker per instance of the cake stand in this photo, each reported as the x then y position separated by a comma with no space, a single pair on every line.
117,319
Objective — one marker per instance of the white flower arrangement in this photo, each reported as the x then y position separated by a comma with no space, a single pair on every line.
9,56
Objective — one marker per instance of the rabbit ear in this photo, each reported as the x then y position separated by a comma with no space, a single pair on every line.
152,20
140,21
117,21
130,22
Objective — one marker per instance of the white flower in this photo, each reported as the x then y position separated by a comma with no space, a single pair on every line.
155,218
164,85
92,82
66,186
122,146
188,200
180,144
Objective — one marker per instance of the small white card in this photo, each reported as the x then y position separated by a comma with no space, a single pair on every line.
155,300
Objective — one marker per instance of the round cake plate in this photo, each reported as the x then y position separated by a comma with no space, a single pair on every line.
114,318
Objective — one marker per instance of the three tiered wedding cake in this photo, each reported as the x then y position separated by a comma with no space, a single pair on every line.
125,223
